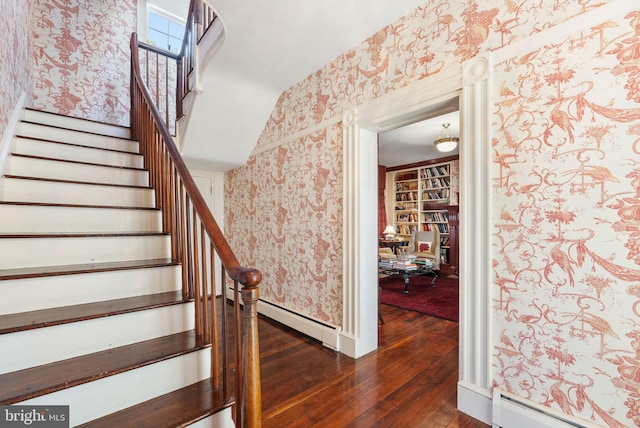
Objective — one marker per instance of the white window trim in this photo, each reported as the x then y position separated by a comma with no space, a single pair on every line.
159,11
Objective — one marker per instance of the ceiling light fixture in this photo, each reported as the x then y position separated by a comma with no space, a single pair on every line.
446,142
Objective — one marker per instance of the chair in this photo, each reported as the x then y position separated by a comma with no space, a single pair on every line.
385,253
426,244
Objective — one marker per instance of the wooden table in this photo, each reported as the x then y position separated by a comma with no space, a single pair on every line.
393,244
422,269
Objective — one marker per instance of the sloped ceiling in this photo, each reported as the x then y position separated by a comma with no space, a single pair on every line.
269,46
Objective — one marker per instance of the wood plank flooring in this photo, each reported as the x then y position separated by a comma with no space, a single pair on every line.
410,381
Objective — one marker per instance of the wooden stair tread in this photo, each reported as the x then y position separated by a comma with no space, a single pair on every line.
36,381
79,234
48,204
177,408
12,323
57,180
35,272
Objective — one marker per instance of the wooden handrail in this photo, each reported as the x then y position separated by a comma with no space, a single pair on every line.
195,238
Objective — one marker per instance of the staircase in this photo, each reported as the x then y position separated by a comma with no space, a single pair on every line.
92,313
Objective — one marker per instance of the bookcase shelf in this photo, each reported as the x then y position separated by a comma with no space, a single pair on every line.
406,202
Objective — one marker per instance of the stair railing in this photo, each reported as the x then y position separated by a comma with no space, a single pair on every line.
169,76
199,20
160,70
195,241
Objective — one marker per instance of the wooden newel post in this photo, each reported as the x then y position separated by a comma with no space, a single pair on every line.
251,391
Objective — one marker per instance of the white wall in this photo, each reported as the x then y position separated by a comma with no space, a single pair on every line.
211,185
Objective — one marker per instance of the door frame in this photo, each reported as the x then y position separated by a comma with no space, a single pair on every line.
361,125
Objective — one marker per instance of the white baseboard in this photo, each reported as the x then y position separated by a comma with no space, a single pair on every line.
474,401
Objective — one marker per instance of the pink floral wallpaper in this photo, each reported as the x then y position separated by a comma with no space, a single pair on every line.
15,48
81,57
297,238
567,230
566,186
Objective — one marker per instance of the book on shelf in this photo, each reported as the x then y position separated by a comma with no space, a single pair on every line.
407,196
406,229
444,255
406,186
406,206
407,176
436,216
434,171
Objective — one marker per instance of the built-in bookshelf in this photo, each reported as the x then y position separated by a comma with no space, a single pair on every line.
434,217
417,194
436,183
423,197
407,203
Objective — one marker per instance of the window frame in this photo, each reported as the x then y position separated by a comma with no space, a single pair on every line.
170,18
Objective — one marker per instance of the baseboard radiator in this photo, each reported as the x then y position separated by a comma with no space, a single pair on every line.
510,411
326,333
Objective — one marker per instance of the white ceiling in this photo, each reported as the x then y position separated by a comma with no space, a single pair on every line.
414,143
280,42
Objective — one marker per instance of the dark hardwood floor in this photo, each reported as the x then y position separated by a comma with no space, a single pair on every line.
409,381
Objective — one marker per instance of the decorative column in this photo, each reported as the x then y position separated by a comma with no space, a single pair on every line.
474,386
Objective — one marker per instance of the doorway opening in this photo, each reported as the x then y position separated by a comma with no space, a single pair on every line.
418,188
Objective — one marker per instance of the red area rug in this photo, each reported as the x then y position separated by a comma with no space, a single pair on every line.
440,300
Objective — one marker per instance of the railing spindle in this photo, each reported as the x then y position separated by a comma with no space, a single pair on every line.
215,368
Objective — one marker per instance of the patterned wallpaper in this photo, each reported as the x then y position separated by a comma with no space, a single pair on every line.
81,57
15,48
566,176
292,213
567,223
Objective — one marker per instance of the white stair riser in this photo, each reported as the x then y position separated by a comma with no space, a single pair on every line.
42,168
59,342
75,123
222,419
34,130
21,190
50,219
111,394
48,149
51,251
32,294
